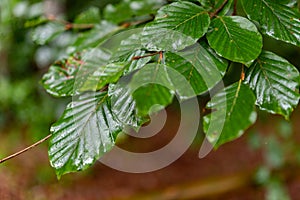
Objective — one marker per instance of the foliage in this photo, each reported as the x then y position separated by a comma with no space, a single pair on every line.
198,39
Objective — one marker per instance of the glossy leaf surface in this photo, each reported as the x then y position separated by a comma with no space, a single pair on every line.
235,38
275,82
233,111
60,79
123,104
276,20
85,131
200,66
171,29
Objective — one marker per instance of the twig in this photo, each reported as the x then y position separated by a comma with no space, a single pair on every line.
69,25
218,10
234,8
26,149
145,56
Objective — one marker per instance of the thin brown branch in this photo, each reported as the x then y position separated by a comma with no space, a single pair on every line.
234,8
69,25
78,26
138,22
218,9
26,149
145,56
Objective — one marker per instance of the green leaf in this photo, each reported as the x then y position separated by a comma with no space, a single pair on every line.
47,32
233,111
88,72
85,131
276,20
96,71
90,16
151,89
60,79
235,38
200,66
172,27
94,37
97,76
275,82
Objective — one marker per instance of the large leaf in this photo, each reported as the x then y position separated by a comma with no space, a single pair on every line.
275,82
85,131
233,111
235,38
151,89
172,27
200,66
276,20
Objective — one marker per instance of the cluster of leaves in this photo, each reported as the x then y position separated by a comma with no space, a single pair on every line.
197,39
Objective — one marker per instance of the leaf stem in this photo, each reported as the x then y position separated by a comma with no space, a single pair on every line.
26,149
243,73
234,8
218,9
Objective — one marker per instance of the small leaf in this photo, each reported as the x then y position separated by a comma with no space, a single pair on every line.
60,79
276,20
171,30
85,131
90,16
275,82
235,38
233,111
201,67
90,71
47,32
151,89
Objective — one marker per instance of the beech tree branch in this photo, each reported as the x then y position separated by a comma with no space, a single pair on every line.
26,149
